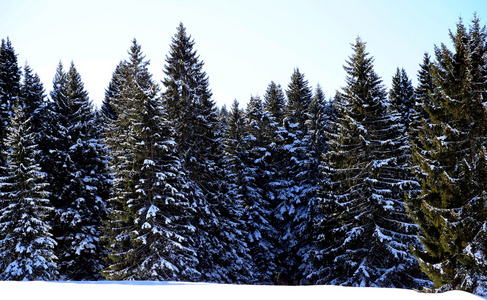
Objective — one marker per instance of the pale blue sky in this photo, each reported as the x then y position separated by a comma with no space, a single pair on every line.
244,44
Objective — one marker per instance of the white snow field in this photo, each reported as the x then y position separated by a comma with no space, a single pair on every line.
37,290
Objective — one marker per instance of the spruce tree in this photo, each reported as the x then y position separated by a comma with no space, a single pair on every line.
402,96
272,159
188,102
365,232
257,207
113,91
10,77
320,114
33,101
26,243
451,210
149,232
297,180
79,180
422,101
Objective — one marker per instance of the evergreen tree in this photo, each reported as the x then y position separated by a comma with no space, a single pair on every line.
149,231
402,96
320,114
35,106
451,210
297,180
79,178
420,123
272,160
223,118
422,95
33,101
257,207
111,92
221,251
26,244
363,194
10,76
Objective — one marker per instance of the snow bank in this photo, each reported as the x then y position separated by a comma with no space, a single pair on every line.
172,290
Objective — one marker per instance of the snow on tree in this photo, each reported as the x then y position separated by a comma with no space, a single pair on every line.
320,114
113,90
244,153
76,165
297,179
365,232
451,210
26,244
10,76
222,253
149,232
258,211
32,99
402,96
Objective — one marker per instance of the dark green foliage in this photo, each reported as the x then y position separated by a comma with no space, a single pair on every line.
451,209
149,230
402,96
363,194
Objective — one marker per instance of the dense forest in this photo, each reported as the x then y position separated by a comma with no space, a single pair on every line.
370,187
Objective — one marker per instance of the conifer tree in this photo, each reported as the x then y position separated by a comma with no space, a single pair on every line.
257,207
297,180
451,210
419,124
188,102
320,114
363,196
33,101
402,96
26,244
10,76
113,91
274,156
422,95
149,231
79,187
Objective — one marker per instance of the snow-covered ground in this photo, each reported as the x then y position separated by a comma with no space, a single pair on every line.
36,290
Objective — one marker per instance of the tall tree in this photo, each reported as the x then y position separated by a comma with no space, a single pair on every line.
363,196
320,114
26,244
297,180
258,211
188,102
10,76
451,210
273,135
149,231
79,181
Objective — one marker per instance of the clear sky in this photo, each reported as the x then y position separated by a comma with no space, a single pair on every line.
244,44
